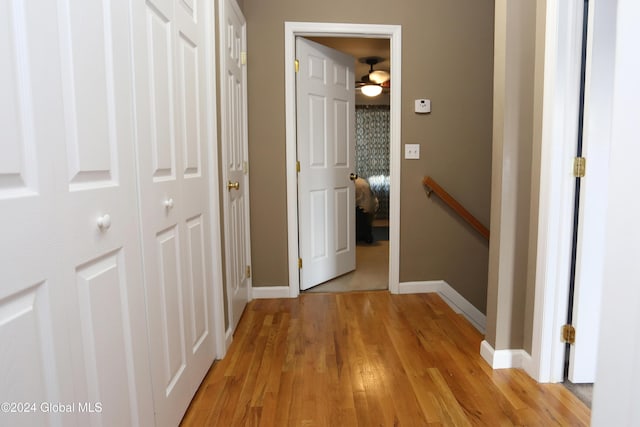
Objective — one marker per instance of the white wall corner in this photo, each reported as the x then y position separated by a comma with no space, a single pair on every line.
504,359
266,292
457,302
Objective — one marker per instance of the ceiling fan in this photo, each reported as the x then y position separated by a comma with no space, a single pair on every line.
372,83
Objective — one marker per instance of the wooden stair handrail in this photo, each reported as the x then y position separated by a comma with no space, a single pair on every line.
434,187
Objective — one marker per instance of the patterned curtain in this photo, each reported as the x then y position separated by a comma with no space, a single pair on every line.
372,151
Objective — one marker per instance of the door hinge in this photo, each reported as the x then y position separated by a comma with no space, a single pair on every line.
579,167
248,272
299,262
568,334
245,167
298,166
243,58
296,63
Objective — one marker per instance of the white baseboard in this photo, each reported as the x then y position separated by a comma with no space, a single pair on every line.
266,292
504,359
456,301
228,339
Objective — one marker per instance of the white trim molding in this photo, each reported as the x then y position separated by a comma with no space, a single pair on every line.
555,217
505,359
228,338
394,34
457,302
267,292
216,294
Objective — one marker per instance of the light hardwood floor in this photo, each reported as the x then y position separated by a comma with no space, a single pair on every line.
369,359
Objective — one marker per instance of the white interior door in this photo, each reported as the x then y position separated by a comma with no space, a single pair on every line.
171,114
72,317
98,195
233,84
32,327
325,98
591,234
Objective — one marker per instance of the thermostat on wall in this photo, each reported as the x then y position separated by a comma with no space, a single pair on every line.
423,106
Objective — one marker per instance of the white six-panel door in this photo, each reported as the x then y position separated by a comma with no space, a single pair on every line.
72,307
169,39
325,98
233,40
97,196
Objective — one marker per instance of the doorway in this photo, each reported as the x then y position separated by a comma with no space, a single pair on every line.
372,153
393,34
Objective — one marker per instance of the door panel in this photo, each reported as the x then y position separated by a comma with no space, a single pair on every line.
171,118
341,219
27,375
18,146
318,225
105,325
326,152
88,82
189,108
235,158
73,287
198,310
160,94
170,293
32,327
102,272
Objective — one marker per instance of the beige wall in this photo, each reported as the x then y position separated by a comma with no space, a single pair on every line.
447,56
516,166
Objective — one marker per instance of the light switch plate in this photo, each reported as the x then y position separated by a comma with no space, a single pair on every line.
411,151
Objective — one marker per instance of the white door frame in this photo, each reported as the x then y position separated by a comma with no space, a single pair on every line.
394,34
559,133
217,294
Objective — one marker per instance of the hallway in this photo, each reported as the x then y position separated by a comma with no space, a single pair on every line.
368,358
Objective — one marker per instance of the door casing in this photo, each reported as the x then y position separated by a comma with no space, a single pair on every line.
546,363
311,29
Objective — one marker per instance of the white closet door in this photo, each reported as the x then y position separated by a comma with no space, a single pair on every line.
32,330
172,138
72,318
102,270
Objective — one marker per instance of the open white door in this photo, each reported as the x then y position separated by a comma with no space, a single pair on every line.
172,114
233,84
589,275
326,153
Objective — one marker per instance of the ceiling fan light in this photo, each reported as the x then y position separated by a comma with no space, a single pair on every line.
371,90
379,76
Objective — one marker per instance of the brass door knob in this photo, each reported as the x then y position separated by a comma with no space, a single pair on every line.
233,185
353,176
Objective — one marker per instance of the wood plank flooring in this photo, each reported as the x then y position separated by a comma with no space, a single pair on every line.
369,359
